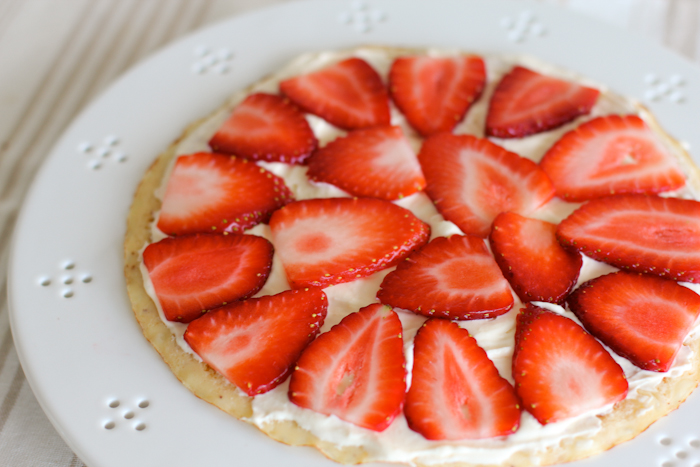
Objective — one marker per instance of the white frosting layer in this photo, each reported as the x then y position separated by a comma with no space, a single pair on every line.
398,443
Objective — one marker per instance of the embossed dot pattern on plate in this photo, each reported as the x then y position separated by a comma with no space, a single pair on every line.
523,27
210,60
678,453
101,153
664,88
361,17
125,413
68,278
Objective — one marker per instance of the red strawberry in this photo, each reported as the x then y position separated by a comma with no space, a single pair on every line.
643,318
192,274
560,370
348,94
454,278
434,93
333,240
356,371
526,102
268,128
456,391
212,192
531,258
256,342
472,180
375,162
643,233
610,155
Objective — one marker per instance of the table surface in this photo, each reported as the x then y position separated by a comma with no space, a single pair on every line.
57,55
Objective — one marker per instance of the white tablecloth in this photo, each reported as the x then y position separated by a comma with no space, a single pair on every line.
56,55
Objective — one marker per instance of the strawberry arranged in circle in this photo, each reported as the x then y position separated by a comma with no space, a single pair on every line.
610,155
451,277
192,274
530,257
643,233
255,343
333,240
266,127
472,180
374,162
642,318
526,102
560,370
434,93
216,193
456,391
349,94
356,371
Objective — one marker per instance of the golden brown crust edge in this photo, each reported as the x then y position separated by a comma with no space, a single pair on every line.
627,420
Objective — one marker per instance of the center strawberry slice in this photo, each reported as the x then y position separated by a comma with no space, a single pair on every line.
192,274
472,180
531,258
560,370
526,102
643,318
643,233
349,94
456,391
252,343
333,240
265,127
454,278
374,162
434,93
215,193
609,155
356,371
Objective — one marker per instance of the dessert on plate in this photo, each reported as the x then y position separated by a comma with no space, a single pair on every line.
428,257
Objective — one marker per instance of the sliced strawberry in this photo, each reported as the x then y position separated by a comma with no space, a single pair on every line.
374,162
642,318
256,342
609,155
356,371
454,278
472,180
560,370
333,240
526,102
642,233
530,257
194,273
268,128
434,93
348,94
211,192
456,391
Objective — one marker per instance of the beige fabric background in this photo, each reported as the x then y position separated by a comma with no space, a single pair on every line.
56,55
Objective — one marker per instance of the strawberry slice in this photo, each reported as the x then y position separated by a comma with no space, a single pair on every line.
609,155
374,162
211,192
472,180
454,278
268,128
356,371
194,273
456,391
333,240
349,94
531,258
642,318
526,102
642,233
254,345
560,370
434,93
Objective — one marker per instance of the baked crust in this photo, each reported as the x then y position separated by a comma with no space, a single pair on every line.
626,420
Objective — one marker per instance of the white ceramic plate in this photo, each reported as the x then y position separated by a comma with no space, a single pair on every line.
102,385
